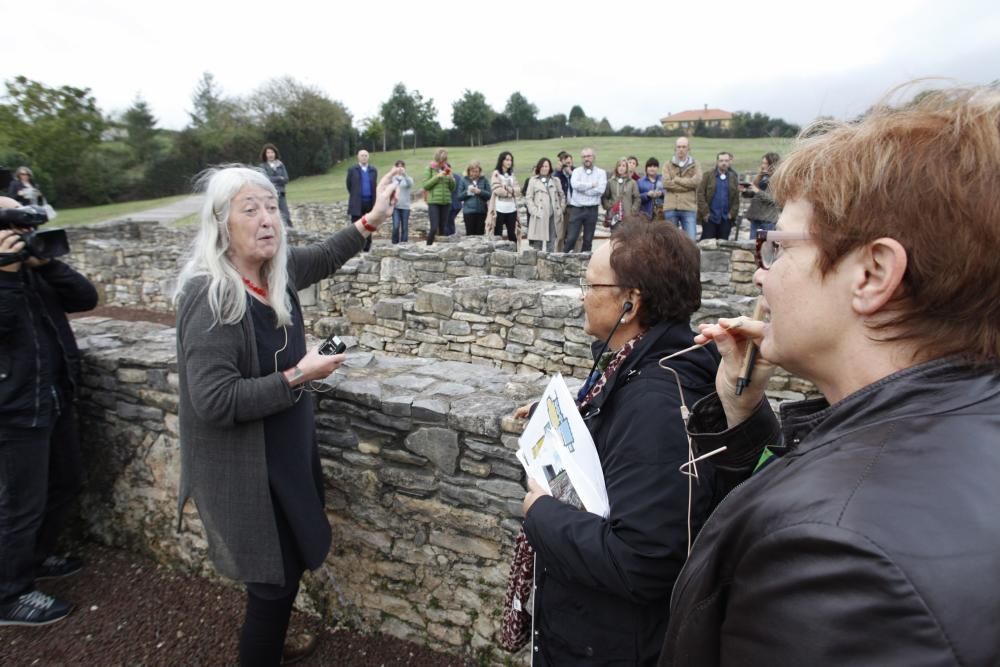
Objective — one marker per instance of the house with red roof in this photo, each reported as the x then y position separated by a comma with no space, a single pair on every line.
686,120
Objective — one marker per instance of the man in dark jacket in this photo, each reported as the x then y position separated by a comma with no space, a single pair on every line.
40,471
718,199
868,534
362,179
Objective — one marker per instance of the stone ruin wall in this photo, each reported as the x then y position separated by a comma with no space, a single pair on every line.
473,300
417,442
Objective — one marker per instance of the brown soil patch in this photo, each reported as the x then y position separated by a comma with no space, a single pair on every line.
131,611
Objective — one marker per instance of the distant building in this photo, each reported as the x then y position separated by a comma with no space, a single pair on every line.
686,120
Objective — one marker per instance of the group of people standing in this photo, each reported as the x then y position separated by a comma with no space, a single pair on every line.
563,203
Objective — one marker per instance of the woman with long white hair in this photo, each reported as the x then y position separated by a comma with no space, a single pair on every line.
248,450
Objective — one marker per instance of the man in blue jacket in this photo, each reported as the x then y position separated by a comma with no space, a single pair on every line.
361,181
40,469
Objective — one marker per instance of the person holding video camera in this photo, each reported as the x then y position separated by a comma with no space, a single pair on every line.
247,435
40,469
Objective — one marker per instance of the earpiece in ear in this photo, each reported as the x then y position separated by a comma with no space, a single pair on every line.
627,306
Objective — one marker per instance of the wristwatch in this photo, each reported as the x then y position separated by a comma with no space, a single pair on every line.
295,377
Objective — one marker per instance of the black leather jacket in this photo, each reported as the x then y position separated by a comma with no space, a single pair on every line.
874,540
34,329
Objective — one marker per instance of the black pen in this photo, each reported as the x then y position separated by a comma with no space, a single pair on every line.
750,357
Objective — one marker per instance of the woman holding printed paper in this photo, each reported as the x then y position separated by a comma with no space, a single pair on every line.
603,584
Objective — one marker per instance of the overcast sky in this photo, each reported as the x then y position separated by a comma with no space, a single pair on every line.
632,62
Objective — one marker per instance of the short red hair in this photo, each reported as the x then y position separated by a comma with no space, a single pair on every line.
927,174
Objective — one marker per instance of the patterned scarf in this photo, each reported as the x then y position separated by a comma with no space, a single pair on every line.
609,370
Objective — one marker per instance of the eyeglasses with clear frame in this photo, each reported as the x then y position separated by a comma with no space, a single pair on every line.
586,286
769,245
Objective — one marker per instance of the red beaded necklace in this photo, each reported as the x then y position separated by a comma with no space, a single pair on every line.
259,291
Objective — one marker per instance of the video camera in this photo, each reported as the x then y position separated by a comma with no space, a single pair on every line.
43,245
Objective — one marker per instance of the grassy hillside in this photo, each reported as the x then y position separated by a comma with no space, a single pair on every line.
330,187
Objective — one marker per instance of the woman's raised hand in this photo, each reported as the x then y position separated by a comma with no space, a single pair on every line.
385,198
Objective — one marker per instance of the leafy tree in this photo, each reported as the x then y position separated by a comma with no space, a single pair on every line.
405,112
140,125
398,112
55,128
312,131
471,114
580,122
373,132
604,127
210,105
522,113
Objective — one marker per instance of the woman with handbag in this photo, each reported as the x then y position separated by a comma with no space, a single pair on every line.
602,584
503,202
620,188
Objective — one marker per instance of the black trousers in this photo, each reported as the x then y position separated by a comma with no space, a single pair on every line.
508,220
269,606
475,223
283,209
366,206
716,230
41,474
581,218
438,214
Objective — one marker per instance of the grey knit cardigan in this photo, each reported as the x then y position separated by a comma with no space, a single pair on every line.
224,398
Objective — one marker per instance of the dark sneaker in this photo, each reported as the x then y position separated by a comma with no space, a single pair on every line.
55,567
34,608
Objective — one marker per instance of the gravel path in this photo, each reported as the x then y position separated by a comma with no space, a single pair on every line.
131,611
169,213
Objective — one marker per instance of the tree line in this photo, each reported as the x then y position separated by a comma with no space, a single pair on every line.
82,156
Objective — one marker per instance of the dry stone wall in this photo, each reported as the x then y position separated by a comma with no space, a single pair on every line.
470,300
422,487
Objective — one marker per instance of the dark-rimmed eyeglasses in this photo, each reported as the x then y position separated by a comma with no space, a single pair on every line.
769,245
586,286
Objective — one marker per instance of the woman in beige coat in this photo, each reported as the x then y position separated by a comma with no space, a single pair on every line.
546,202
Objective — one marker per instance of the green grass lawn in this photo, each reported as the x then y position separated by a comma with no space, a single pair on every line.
90,214
331,187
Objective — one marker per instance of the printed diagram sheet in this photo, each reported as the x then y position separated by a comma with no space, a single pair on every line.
557,451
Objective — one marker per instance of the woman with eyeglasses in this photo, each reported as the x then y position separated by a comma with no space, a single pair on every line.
603,584
865,529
